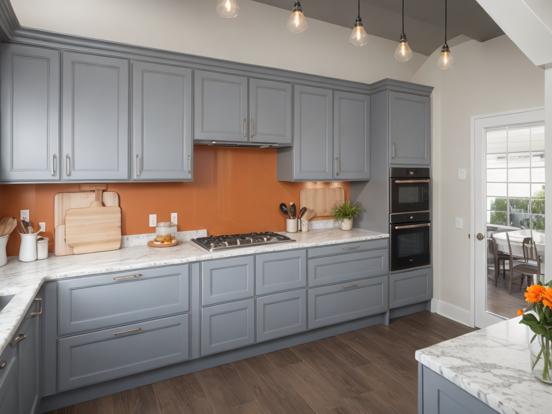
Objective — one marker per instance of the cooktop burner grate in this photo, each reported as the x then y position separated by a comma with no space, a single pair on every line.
230,241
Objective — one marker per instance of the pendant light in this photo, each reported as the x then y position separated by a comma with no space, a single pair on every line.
297,22
358,37
228,8
445,57
403,52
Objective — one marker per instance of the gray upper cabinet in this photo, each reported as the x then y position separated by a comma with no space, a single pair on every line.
312,153
409,129
351,136
95,117
220,107
270,111
29,143
162,122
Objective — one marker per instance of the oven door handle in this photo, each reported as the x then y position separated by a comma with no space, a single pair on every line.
412,226
421,181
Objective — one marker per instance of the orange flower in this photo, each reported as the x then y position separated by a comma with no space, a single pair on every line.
547,298
520,312
535,293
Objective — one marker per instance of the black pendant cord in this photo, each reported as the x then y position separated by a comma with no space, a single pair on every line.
402,27
446,18
358,5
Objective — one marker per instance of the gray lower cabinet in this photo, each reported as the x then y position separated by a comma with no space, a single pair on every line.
162,122
407,288
275,272
95,110
113,353
351,136
311,157
270,111
227,279
102,301
220,107
281,314
409,129
29,135
29,362
227,326
437,395
329,305
9,387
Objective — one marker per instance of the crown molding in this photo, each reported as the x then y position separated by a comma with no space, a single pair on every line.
8,21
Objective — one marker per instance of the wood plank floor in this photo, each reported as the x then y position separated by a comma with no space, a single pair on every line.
371,370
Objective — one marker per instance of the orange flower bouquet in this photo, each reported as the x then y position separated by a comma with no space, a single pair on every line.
538,317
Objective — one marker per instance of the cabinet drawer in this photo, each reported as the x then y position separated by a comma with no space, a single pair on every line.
347,248
227,279
101,301
350,266
275,272
409,287
101,356
339,303
281,314
227,326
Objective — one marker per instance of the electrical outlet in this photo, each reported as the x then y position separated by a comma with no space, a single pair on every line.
42,226
174,218
153,220
459,222
24,215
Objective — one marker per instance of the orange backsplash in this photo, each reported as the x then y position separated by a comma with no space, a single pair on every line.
234,190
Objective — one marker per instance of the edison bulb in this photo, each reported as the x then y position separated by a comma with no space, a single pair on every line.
297,22
228,8
358,37
445,58
403,52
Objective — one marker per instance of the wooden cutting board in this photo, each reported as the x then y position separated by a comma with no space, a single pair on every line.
322,200
90,226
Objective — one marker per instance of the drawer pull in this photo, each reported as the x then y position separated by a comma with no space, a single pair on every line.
128,277
350,287
134,331
349,248
40,308
3,364
19,338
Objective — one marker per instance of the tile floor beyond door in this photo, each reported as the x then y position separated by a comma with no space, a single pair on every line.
371,370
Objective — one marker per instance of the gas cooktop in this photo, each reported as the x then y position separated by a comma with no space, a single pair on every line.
230,241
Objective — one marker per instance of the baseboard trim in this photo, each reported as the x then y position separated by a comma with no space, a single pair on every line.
450,311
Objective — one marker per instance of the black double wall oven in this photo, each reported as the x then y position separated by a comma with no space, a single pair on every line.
410,218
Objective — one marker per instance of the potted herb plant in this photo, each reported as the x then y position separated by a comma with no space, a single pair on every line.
345,213
538,317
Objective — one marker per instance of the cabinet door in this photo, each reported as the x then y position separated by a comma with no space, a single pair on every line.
408,288
227,326
409,129
224,280
281,314
9,386
29,149
270,111
220,107
162,122
275,272
352,136
95,117
313,134
28,355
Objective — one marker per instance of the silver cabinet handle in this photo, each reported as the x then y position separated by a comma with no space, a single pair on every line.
412,226
350,287
67,165
3,364
393,150
349,248
19,338
421,181
244,127
128,277
40,310
134,331
253,128
137,165
337,166
54,165
189,163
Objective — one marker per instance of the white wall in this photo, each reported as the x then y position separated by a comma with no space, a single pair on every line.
258,35
490,77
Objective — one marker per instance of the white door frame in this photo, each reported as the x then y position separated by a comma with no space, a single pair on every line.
479,124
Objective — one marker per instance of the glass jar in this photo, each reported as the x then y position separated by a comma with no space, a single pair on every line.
165,233
541,358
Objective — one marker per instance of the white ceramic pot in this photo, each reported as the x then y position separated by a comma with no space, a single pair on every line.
291,225
27,249
3,255
347,224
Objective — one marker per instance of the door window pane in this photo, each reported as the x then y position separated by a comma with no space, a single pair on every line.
497,203
537,190
519,139
518,160
537,138
497,217
537,221
537,206
497,141
519,175
496,161
537,159
498,175
497,189
519,190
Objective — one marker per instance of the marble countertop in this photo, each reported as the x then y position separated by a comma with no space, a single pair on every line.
492,364
24,280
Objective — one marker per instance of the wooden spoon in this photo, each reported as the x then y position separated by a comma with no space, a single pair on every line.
7,225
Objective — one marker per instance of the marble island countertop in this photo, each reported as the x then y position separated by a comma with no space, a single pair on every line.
492,364
24,280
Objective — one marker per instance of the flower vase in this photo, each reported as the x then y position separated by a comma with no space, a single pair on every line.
541,358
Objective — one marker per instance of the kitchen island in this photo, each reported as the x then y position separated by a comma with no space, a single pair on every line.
486,371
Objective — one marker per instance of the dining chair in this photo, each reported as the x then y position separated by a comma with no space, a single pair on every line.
528,266
497,258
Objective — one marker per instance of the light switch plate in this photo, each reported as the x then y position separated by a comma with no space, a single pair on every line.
24,215
459,221
153,220
462,174
174,218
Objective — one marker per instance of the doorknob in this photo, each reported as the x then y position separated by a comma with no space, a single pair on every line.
480,236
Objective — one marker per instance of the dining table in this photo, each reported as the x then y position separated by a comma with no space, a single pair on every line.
516,241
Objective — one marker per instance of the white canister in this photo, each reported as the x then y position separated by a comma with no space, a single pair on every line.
291,225
42,248
3,254
27,248
304,225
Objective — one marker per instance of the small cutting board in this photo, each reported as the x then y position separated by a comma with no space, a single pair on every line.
94,228
322,200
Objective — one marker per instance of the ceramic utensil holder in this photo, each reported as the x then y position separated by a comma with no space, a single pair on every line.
3,254
42,248
291,225
27,248
304,225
